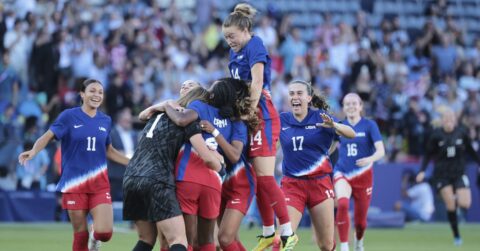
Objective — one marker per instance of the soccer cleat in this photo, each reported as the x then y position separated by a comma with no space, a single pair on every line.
93,245
289,242
264,242
359,245
458,241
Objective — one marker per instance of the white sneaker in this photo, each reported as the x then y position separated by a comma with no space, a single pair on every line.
358,244
93,245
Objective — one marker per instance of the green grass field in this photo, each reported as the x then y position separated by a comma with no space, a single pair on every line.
435,237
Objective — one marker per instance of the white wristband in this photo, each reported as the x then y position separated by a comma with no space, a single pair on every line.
215,133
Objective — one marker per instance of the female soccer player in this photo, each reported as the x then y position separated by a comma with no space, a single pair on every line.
85,142
306,137
191,174
448,147
353,173
249,61
238,187
149,183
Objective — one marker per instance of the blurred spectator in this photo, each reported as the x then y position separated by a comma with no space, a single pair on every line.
445,56
9,140
118,95
267,33
291,49
32,176
326,32
123,139
9,83
418,199
17,43
415,125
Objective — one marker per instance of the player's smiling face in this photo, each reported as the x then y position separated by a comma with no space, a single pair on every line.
352,105
93,95
299,98
187,86
235,37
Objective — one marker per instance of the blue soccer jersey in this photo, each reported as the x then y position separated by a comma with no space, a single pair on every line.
84,142
363,145
242,62
190,166
305,145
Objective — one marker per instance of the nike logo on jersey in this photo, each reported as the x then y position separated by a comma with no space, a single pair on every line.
285,128
255,148
101,128
71,202
239,57
310,127
236,201
77,126
360,134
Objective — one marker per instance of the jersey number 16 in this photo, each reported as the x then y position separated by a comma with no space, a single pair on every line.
351,150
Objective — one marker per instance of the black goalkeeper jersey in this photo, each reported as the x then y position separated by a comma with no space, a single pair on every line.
448,151
160,143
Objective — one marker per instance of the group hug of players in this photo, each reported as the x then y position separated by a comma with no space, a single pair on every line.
201,159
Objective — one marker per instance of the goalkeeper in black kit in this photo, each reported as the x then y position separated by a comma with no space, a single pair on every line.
448,146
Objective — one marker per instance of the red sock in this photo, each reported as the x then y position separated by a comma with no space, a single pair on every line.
360,216
189,248
80,241
263,201
208,247
240,247
103,237
276,198
230,247
343,222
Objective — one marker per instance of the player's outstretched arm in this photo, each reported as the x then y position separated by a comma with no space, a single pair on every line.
39,145
207,155
340,129
116,156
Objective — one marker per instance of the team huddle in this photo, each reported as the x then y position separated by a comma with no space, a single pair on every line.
201,160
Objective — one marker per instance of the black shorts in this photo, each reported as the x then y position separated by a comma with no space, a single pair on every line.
149,200
456,182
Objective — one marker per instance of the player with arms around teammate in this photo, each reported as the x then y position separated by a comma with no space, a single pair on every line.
448,147
353,173
149,183
85,143
238,188
249,61
306,137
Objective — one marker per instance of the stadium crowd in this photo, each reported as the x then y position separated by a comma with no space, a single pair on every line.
142,50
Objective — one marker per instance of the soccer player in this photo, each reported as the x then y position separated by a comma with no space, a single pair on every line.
448,147
199,190
187,86
149,183
249,61
306,137
238,187
353,173
85,142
